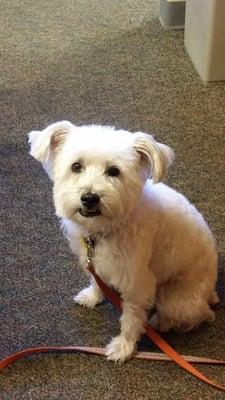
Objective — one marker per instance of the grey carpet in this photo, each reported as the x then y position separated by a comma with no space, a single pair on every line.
106,62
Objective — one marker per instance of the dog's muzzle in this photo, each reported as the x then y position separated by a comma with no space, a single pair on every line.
90,205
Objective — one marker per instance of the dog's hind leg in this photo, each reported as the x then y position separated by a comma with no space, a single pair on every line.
181,306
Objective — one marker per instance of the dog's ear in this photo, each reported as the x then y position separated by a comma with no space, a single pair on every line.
42,143
157,157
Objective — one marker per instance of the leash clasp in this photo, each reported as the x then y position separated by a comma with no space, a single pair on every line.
90,250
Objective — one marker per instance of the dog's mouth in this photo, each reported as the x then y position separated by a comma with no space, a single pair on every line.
89,213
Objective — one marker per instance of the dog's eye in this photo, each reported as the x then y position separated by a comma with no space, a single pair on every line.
113,171
76,167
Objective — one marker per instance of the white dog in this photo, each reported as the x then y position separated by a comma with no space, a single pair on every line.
151,244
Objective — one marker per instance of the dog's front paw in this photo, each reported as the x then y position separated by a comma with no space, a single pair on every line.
120,349
88,297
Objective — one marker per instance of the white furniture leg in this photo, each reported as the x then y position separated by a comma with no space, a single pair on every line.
205,37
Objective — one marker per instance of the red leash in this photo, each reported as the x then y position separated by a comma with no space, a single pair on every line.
170,353
112,296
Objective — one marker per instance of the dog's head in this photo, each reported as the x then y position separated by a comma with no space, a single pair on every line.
98,172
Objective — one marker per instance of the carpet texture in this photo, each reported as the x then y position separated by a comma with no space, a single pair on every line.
105,62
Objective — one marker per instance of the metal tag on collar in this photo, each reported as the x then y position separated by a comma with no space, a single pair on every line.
90,249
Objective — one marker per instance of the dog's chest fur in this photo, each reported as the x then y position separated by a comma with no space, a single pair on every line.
115,257
111,262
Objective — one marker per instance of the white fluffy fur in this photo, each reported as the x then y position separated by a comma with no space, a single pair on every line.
152,245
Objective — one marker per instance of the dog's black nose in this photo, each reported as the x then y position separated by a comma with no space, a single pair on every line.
90,200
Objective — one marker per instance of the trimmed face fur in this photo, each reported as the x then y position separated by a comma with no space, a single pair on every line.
98,173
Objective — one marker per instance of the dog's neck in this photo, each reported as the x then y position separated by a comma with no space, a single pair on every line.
112,230
94,238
